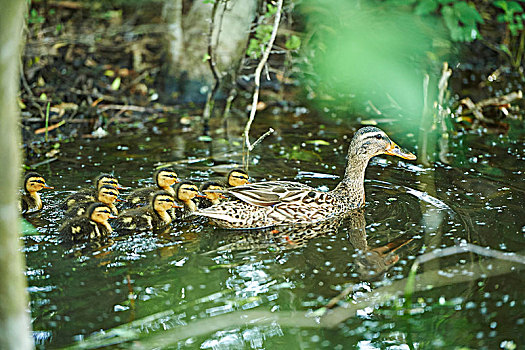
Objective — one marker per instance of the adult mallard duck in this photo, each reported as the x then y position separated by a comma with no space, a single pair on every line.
151,217
272,203
237,177
93,225
164,178
91,194
107,194
30,200
212,196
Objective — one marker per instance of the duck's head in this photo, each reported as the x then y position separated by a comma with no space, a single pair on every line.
371,141
107,179
212,186
107,194
165,177
186,191
34,182
162,201
237,177
99,213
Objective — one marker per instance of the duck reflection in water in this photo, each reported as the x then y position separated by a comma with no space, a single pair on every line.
369,262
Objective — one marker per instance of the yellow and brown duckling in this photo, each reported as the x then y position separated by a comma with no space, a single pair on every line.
273,203
154,216
164,179
212,196
91,194
185,192
237,177
107,194
91,226
30,200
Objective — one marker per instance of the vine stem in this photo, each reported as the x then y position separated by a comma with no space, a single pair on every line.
258,72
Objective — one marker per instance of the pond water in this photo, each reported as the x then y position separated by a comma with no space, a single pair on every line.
197,286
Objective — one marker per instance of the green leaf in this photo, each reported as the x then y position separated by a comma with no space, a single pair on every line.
115,85
205,138
293,43
467,14
205,57
401,2
318,142
27,228
426,6
514,6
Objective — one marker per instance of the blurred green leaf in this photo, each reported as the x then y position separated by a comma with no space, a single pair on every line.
27,228
426,6
379,53
115,85
293,43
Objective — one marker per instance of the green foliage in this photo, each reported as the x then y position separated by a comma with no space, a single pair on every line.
293,43
372,53
513,15
462,20
460,17
35,18
263,33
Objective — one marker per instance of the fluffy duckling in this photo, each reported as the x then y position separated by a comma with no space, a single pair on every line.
164,179
185,191
94,224
107,194
30,201
151,217
210,196
237,177
91,194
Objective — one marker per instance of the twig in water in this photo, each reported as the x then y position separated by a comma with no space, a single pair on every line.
463,248
257,80
47,119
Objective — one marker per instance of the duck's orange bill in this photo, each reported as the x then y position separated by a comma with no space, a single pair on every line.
175,205
119,187
111,216
48,187
395,150
121,200
200,195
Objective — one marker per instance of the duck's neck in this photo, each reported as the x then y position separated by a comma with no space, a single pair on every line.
113,208
164,216
36,198
106,226
352,186
168,188
190,205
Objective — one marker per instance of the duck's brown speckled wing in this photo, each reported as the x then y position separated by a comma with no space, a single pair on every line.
269,193
269,203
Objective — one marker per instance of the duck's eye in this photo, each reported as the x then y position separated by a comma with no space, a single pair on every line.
379,136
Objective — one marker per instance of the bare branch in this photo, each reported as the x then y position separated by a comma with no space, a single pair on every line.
257,79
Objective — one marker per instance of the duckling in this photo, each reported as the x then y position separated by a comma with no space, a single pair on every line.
107,194
185,191
237,177
30,201
151,217
93,225
211,198
164,179
91,194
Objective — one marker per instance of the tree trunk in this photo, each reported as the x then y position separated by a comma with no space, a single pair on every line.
188,43
15,326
